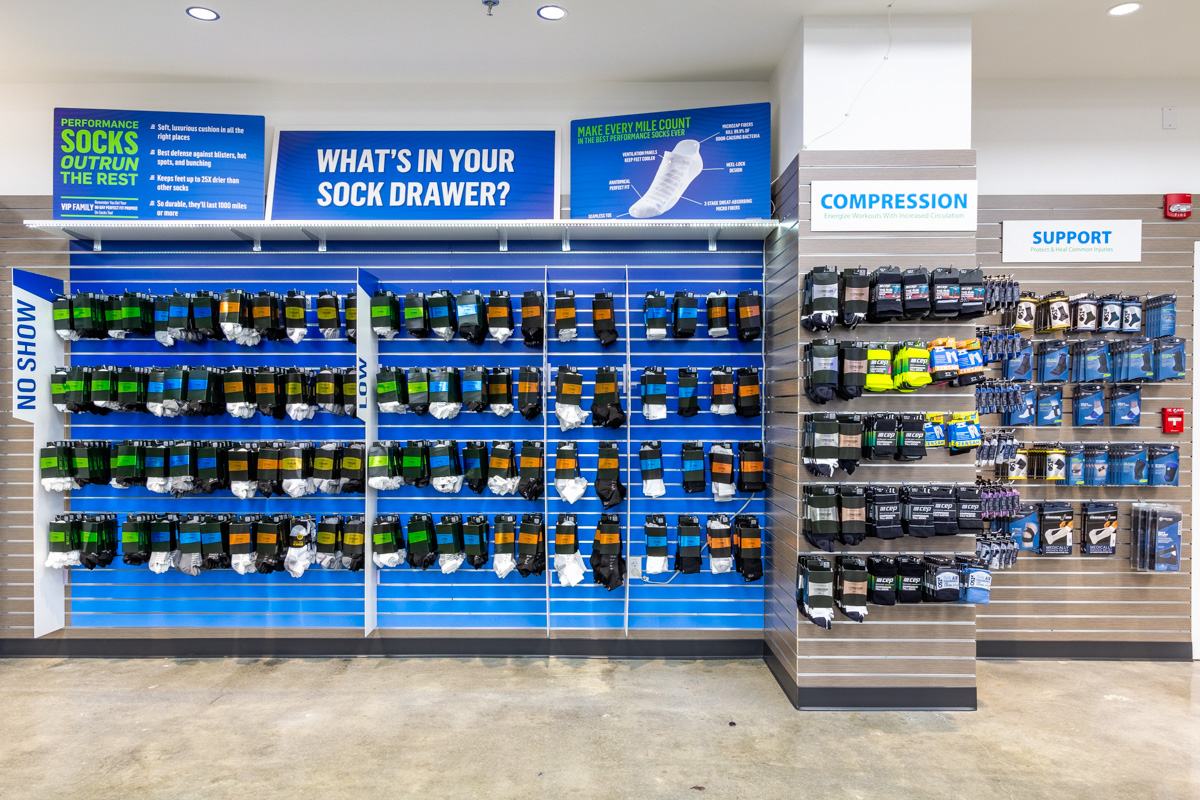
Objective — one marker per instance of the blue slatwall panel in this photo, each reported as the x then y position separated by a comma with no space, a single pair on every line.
135,597
409,598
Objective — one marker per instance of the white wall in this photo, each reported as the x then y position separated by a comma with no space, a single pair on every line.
919,99
27,133
1081,137
787,105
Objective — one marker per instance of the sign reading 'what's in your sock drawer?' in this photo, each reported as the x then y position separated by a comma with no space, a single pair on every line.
701,163
156,165
414,175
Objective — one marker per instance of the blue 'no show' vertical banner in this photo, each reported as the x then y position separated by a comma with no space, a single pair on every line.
699,163
158,165
414,175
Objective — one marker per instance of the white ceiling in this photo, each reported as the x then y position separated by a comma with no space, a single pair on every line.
454,41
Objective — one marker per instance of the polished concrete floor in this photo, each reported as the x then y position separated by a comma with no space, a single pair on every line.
265,729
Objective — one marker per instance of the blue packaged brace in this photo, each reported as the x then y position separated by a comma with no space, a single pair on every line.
1126,405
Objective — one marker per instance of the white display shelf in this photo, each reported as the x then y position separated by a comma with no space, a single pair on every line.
257,231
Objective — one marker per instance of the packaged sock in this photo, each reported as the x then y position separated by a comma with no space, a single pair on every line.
417,380
387,542
915,283
747,547
416,315
502,469
531,473
604,324
689,402
533,318
720,544
445,469
609,488
656,544
568,395
422,551
721,467
445,392
723,402
819,307
854,294
568,481
500,315
942,582
531,545
750,477
656,315
852,514
449,533
688,544
814,590
475,465
529,392
851,592
475,540
692,457
683,315
654,393
820,519
568,562
749,315
852,370
443,314
650,461
504,559
882,580
918,511
471,317
565,329
910,576
608,563
499,388
887,295
717,306
606,402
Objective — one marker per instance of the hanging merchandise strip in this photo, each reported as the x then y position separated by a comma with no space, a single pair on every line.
581,315
301,351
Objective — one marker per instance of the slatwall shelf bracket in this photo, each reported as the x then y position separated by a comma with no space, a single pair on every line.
502,235
255,240
713,233
318,238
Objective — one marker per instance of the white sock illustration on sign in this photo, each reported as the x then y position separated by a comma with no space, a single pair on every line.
676,172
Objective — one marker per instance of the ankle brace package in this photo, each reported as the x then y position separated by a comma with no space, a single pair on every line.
1098,529
604,323
1057,523
565,329
854,294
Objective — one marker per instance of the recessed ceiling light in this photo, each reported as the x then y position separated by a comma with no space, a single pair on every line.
1123,9
552,12
203,14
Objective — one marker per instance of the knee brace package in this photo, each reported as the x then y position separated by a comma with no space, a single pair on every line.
689,402
387,542
656,544
504,559
565,329
751,476
529,392
720,544
449,533
500,316
604,323
654,393
531,482
568,396
568,562
608,563
650,461
688,545
692,457
606,402
568,480
609,488
533,318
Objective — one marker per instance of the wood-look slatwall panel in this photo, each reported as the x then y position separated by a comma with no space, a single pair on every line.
20,248
1078,598
929,645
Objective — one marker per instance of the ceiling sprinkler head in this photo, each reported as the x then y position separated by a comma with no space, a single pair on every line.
490,4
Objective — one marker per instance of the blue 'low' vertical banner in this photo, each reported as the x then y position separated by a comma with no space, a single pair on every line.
414,175
157,165
699,163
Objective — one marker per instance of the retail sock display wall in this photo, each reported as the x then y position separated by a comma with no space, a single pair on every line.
905,655
1081,606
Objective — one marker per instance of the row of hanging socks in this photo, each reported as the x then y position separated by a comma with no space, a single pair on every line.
196,543
847,369
851,581
472,317
189,391
851,296
831,442
183,468
508,468
246,318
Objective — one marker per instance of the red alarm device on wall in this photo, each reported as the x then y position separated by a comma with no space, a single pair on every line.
1177,206
1172,420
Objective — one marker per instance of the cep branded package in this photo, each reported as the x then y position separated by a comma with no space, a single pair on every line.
1023,528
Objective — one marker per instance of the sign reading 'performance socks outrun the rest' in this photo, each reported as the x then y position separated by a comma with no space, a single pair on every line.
414,175
700,163
157,165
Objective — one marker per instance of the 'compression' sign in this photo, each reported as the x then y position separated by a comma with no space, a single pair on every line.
1079,240
895,205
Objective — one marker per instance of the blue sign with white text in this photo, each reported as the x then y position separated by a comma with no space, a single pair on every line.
414,175
701,163
158,165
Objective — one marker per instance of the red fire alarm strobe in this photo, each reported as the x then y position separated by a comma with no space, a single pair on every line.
1177,206
1172,420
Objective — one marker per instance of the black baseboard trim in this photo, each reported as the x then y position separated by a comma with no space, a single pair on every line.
1087,651
892,698
781,675
432,647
